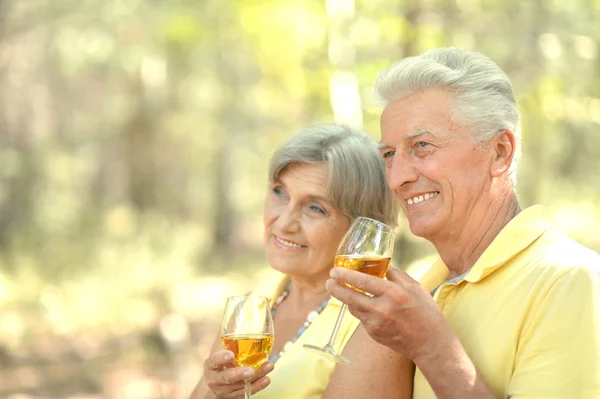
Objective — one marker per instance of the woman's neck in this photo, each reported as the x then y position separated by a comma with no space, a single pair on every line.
306,293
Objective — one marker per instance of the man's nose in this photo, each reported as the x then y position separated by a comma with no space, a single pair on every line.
402,171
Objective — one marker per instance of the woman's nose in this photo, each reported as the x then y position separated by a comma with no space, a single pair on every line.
289,219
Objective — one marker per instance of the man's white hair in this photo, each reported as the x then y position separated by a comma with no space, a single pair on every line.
483,94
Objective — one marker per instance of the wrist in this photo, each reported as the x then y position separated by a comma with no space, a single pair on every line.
450,372
439,345
430,354
442,355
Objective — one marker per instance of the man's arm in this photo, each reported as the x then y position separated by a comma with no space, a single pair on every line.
402,316
451,373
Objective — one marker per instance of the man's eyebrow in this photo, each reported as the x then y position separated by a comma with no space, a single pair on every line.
420,132
416,133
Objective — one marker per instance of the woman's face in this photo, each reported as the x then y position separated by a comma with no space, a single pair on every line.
302,228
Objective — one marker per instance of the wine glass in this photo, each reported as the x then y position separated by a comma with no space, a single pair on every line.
366,247
247,331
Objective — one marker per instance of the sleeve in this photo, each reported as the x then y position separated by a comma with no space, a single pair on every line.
558,355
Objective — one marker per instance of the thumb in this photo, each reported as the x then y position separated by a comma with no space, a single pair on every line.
396,276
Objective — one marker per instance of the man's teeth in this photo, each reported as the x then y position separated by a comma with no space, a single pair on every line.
287,243
421,198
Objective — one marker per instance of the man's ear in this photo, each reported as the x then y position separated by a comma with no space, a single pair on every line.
503,146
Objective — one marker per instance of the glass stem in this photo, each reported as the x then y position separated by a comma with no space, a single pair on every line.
336,328
247,389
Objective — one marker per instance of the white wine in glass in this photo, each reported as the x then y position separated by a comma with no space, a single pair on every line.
367,247
247,331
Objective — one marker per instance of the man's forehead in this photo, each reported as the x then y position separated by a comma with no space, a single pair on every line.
410,135
420,132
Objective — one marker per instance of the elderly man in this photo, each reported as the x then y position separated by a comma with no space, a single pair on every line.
512,307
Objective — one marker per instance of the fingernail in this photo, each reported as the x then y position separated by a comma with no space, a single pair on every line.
333,272
228,357
269,367
248,373
328,284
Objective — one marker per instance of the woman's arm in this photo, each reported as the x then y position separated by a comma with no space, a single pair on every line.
375,371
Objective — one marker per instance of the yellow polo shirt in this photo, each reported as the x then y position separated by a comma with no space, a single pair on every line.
527,313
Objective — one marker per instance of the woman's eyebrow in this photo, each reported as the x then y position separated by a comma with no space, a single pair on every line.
319,198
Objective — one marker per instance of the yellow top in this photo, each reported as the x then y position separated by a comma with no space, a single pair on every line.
527,313
299,374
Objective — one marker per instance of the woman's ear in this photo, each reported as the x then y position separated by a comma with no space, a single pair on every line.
503,152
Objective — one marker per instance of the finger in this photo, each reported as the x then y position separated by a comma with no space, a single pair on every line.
264,370
398,276
235,375
363,315
256,387
219,359
260,384
348,296
370,284
245,373
404,280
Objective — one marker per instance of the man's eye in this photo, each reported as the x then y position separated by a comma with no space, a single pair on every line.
422,144
388,154
277,191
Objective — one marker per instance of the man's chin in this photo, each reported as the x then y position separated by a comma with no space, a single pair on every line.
421,230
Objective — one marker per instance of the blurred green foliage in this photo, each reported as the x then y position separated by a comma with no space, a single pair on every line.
134,138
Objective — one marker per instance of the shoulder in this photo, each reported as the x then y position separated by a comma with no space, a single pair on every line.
270,283
560,255
384,373
561,272
362,346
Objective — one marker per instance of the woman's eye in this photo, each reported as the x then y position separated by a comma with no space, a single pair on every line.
317,209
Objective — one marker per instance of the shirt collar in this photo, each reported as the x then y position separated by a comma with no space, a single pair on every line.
517,235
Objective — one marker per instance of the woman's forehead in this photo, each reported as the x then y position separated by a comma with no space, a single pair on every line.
306,177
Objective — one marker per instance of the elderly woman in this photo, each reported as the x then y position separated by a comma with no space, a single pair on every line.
320,180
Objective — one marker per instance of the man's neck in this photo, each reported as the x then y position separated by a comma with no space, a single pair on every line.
461,254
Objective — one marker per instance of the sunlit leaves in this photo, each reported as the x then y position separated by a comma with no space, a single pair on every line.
181,29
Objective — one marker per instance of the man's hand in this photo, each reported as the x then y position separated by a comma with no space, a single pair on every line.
400,315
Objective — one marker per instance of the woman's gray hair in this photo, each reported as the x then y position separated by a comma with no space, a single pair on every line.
357,184
483,94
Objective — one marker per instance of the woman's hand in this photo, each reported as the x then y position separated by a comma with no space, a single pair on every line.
226,381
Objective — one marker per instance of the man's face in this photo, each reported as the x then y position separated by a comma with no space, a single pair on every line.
434,166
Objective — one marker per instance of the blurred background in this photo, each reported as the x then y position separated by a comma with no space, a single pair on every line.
134,139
